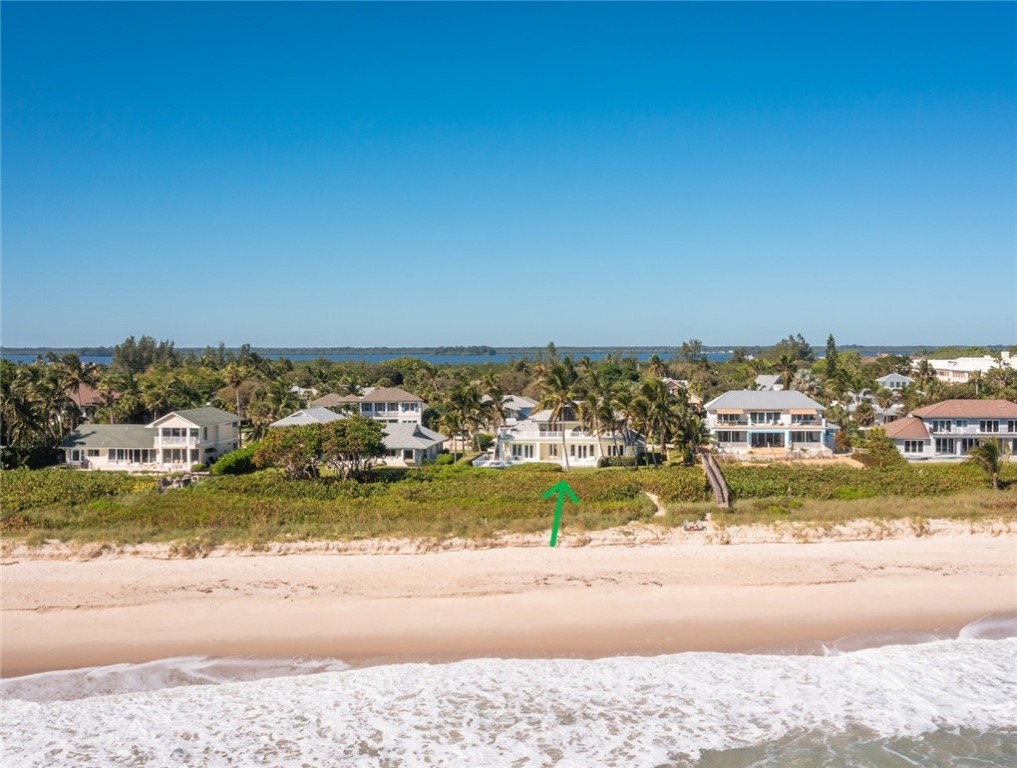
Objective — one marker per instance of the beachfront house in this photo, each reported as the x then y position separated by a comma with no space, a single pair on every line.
173,442
408,444
769,423
539,438
951,428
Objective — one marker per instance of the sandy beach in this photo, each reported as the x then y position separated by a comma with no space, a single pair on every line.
605,594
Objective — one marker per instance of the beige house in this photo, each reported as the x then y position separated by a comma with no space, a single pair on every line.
174,442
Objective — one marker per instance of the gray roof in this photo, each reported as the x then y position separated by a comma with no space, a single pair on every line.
761,400
332,399
892,377
316,415
408,435
390,395
110,436
201,417
768,380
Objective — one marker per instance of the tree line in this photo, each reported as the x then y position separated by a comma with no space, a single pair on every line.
41,402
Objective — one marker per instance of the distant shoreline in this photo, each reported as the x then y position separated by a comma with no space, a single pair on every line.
486,350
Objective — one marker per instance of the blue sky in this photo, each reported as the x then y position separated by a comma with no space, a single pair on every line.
509,174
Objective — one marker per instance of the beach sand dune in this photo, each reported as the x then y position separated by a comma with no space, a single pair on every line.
680,594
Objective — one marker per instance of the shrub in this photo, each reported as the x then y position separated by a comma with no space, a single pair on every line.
199,467
444,459
238,462
617,461
880,450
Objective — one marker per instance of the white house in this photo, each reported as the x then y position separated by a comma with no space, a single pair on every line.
951,428
960,370
392,405
410,444
893,381
768,421
539,438
174,442
389,404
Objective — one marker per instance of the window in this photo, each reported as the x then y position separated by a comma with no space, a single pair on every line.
522,451
728,418
945,445
1011,426
765,417
914,446
804,437
92,452
204,433
941,425
393,406
552,450
194,432
730,437
988,425
802,418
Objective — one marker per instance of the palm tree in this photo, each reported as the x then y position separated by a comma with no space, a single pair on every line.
656,367
657,409
558,392
986,455
692,435
805,381
864,413
234,375
787,366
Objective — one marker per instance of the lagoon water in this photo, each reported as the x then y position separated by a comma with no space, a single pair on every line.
498,358
942,702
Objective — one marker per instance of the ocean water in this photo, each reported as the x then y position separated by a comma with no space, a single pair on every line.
941,702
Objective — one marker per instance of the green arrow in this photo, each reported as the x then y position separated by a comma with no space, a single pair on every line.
562,489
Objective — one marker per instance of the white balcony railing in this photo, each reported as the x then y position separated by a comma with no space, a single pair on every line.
189,442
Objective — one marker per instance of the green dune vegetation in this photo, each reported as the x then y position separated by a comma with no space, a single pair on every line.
451,501
248,500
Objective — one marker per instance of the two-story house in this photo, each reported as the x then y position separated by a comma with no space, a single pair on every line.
173,442
541,438
951,428
769,421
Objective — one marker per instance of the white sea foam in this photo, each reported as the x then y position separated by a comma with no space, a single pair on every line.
565,712
67,685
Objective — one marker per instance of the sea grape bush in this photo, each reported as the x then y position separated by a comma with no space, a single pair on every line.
22,489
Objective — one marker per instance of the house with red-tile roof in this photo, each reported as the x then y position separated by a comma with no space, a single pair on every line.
951,428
